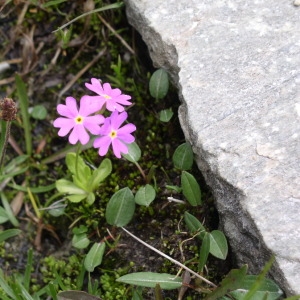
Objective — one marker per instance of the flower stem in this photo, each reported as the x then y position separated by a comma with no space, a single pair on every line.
77,155
5,132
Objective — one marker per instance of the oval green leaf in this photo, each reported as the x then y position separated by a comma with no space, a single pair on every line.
218,244
183,157
134,153
80,241
94,256
145,195
194,225
120,208
190,188
159,84
150,279
39,112
166,115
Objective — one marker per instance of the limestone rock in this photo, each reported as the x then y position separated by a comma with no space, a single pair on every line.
237,66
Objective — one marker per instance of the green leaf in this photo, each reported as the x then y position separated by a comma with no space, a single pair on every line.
94,256
204,251
75,295
76,198
218,244
166,115
145,195
8,210
183,157
150,279
100,174
134,153
120,208
3,215
67,187
80,241
39,112
231,282
266,286
194,225
159,84
190,188
81,172
6,234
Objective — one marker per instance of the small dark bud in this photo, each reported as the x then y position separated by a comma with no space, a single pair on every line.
8,109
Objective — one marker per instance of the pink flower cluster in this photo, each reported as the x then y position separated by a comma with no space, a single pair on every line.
88,118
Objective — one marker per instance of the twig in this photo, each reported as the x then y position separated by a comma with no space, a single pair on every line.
170,258
116,34
80,73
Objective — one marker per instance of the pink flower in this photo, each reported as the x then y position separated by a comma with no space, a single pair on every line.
111,133
113,98
78,121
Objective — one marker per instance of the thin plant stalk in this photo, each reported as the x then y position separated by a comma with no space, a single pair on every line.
5,132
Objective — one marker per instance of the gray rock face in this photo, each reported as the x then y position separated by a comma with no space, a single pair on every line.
237,66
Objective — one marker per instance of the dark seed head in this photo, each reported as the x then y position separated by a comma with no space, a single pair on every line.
8,109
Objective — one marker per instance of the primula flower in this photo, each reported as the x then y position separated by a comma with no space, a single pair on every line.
111,133
78,120
113,98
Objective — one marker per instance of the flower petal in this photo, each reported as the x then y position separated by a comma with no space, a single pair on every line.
103,143
69,110
117,119
64,124
90,105
119,147
79,133
92,123
95,86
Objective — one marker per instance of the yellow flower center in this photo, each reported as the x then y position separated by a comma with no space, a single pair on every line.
113,134
106,97
79,120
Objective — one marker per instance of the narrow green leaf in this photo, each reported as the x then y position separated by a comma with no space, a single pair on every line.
267,286
52,2
183,157
120,208
9,211
190,188
194,225
204,251
145,195
23,100
231,282
27,274
218,244
150,279
94,256
166,115
159,84
75,295
134,153
256,286
6,234
3,215
5,286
